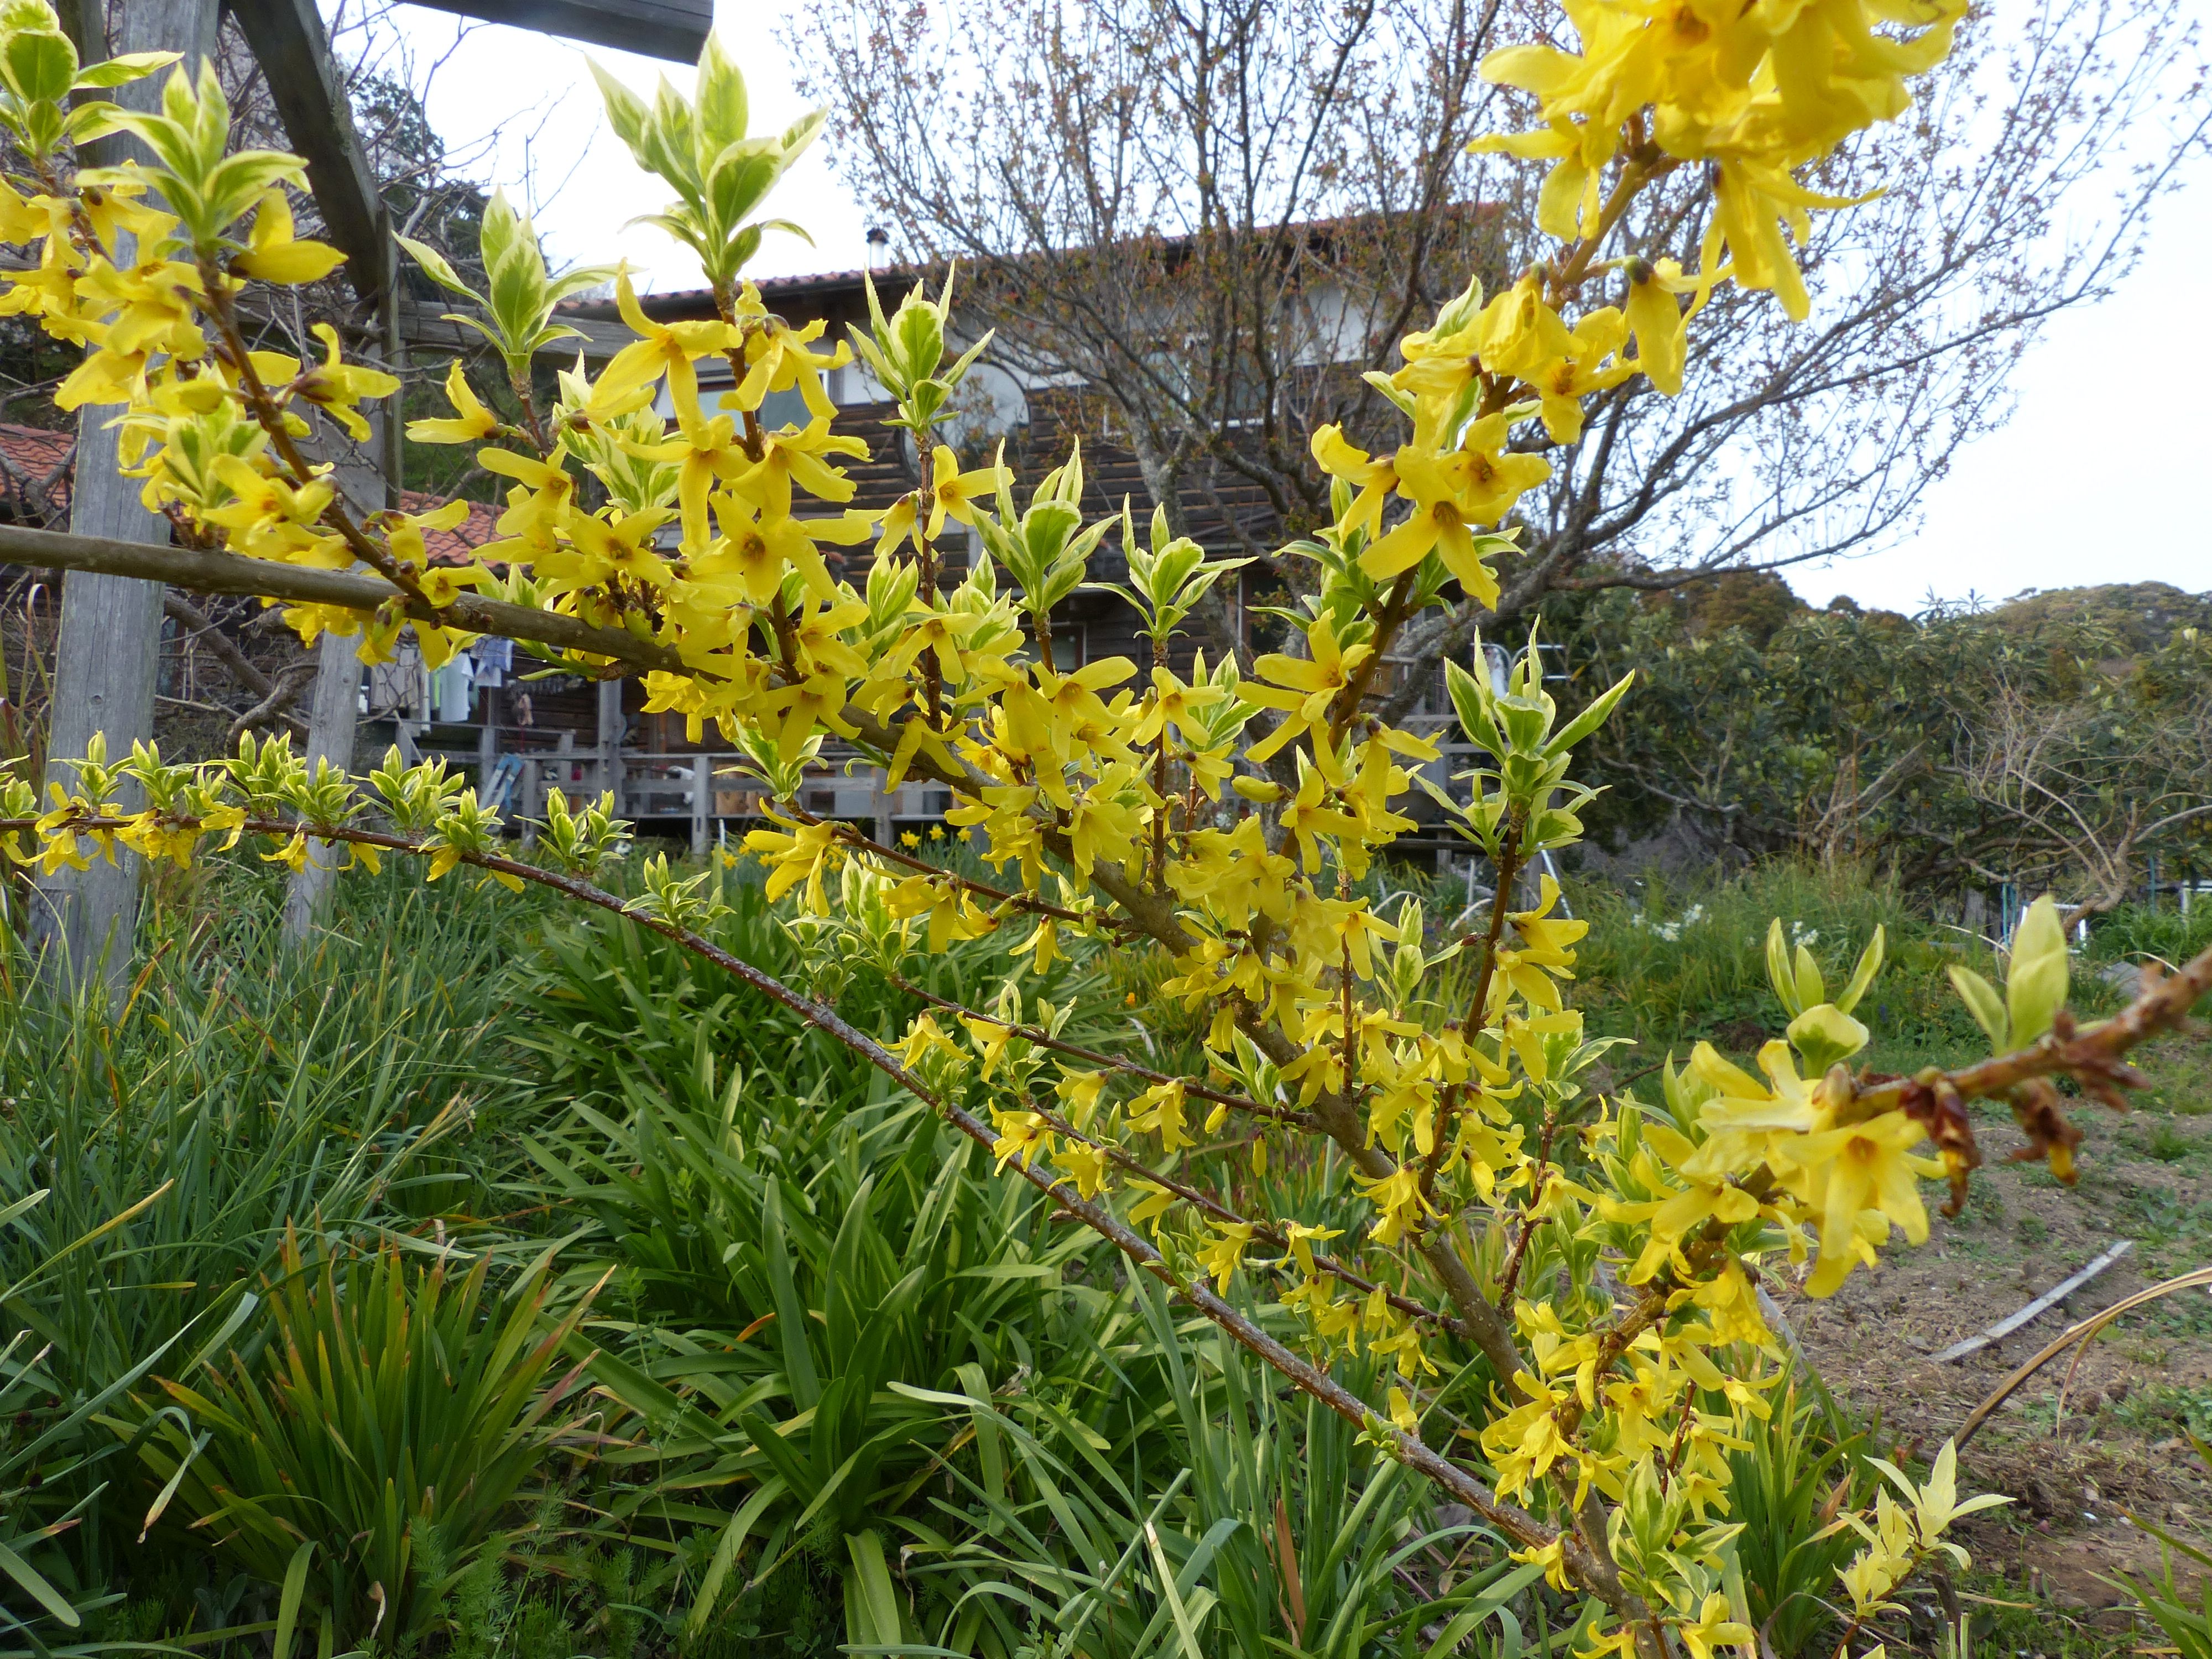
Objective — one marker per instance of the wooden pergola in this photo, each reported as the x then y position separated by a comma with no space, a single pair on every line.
107,654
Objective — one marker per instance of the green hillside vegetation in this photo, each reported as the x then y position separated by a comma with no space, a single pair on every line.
1936,747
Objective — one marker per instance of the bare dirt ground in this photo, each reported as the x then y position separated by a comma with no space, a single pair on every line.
2121,1449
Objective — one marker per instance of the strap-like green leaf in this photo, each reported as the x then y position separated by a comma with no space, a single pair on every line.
1186,1630
876,1597
288,1605
35,1583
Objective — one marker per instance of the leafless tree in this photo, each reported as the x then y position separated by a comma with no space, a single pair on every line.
1205,216
2076,793
1208,216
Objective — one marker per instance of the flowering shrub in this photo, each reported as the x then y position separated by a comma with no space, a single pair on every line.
1574,1277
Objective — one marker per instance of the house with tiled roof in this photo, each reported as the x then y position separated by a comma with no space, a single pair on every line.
1039,421
520,736
35,474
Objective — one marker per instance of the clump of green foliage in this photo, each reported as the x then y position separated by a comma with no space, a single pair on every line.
2058,746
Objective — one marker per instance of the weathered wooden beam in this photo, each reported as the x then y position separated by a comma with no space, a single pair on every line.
2035,1310
674,30
289,41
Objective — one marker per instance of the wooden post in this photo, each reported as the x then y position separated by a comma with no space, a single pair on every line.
332,719
329,736
488,702
611,725
108,655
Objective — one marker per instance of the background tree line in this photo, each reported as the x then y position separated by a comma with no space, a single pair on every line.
2060,741
1216,217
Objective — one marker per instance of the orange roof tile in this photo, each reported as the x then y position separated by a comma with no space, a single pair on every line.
452,546
34,473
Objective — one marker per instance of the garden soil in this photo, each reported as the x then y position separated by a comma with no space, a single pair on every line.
2085,1477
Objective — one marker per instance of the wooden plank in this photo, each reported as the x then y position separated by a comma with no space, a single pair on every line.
2042,1304
287,37
108,655
672,29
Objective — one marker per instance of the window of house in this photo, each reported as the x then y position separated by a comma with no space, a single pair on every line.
1068,641
1241,401
1070,646
781,408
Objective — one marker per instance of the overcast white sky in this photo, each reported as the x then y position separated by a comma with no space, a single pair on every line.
2100,476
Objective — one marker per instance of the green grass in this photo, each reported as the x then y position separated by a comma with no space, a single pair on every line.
242,1089
2133,932
1677,962
2159,1409
2168,1144
2007,1621
794,1255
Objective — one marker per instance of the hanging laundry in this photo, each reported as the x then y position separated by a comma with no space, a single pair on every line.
522,714
494,661
450,687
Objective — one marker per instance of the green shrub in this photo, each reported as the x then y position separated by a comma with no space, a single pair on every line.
241,1089
369,1452
1201,1515
2183,1611
810,1291
1798,1467
49,1457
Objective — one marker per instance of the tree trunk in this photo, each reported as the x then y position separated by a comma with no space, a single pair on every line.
108,653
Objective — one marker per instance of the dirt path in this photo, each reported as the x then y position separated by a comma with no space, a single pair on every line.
2120,1447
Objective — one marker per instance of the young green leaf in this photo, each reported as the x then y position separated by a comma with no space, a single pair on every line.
1870,960
1779,974
1984,1003
1591,719
1472,698
2035,986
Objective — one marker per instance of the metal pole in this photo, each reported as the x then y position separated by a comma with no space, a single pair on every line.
879,805
488,709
